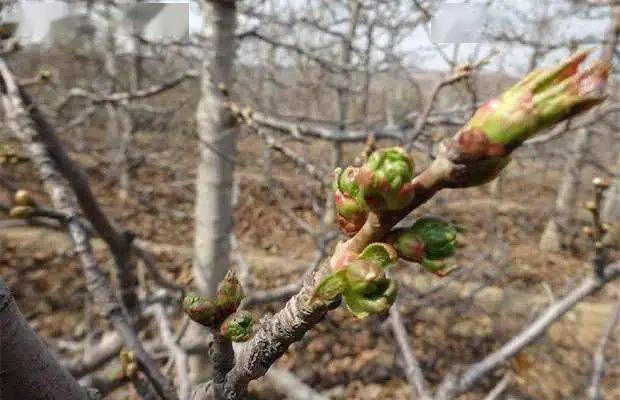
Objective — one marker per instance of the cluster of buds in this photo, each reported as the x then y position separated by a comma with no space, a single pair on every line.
362,283
428,241
383,182
541,99
24,204
213,313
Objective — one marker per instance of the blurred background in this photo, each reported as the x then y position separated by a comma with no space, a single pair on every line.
120,82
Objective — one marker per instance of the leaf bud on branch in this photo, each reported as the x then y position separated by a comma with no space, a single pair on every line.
212,312
238,326
362,283
428,240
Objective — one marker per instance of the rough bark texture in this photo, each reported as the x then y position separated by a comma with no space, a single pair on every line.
29,370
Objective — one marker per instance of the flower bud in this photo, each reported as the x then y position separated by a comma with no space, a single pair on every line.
21,212
349,202
202,310
23,198
238,326
229,294
385,179
428,239
408,245
541,99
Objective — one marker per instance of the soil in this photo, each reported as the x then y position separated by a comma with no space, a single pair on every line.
505,278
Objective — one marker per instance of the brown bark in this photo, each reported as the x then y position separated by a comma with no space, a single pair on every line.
29,370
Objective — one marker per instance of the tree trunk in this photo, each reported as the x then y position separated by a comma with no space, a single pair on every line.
217,132
29,370
218,136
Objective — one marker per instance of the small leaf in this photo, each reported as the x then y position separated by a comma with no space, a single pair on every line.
362,305
331,286
381,254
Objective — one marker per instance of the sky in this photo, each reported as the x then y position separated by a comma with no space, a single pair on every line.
455,22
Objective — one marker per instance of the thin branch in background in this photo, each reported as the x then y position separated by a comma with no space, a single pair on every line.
598,359
413,372
455,384
501,386
96,280
178,355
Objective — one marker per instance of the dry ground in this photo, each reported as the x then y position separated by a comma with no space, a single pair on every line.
504,278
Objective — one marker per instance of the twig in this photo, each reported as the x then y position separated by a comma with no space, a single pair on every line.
413,372
179,355
499,388
453,385
598,359
96,280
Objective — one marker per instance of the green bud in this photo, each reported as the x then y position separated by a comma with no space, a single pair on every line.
385,179
541,99
438,236
238,326
202,310
362,282
428,239
349,201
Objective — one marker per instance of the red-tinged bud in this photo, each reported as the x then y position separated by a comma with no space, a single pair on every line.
229,294
408,245
385,179
202,310
542,99
350,205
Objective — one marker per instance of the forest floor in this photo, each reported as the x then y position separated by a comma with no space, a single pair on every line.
503,280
